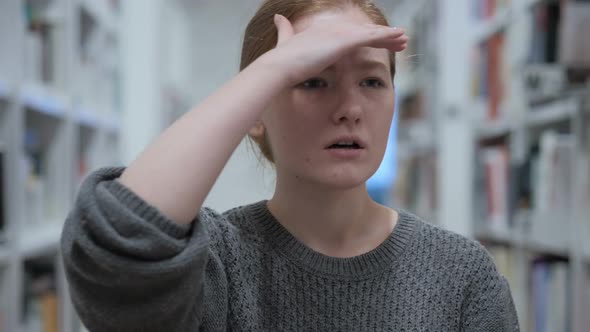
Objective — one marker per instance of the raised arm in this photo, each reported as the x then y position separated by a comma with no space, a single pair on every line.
178,170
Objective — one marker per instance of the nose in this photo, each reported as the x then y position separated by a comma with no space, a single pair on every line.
349,109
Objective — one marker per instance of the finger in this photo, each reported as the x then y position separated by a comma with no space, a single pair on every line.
401,48
375,31
284,28
393,44
382,37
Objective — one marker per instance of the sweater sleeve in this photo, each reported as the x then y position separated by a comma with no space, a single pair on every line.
129,268
488,304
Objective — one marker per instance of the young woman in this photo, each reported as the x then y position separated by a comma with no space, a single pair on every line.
316,94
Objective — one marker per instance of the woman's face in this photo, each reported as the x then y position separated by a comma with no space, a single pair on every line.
352,98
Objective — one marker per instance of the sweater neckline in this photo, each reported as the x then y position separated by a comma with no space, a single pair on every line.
374,261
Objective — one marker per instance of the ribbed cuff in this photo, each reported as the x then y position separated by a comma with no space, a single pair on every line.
107,177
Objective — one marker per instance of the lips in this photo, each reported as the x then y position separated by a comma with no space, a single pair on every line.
344,146
346,142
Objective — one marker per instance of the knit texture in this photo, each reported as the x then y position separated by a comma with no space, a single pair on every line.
130,268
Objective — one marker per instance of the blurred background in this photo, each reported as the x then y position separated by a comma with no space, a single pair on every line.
490,139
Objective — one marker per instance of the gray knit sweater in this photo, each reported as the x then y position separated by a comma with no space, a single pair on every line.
131,269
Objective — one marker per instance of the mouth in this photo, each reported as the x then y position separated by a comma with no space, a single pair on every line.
348,146
346,143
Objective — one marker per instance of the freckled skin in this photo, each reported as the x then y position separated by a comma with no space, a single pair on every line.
348,98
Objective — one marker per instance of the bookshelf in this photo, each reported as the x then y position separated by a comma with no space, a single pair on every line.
502,114
415,187
529,114
59,119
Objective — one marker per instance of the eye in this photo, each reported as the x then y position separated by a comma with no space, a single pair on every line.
373,83
314,83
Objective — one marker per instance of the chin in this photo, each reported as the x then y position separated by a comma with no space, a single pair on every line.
335,177
341,179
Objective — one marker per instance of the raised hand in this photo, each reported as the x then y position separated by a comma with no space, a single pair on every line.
308,52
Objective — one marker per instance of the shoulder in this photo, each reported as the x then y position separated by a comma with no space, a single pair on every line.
465,263
486,300
238,221
451,250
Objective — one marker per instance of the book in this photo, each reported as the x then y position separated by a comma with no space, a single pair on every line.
543,187
34,172
503,259
485,9
489,78
574,47
550,295
543,82
492,184
552,184
494,75
545,36
415,185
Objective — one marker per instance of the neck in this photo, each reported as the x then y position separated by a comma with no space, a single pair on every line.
335,222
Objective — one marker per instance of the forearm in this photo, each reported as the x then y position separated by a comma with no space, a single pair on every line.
176,172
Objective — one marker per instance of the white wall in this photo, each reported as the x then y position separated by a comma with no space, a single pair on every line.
140,24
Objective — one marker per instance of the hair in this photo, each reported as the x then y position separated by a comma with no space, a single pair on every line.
261,34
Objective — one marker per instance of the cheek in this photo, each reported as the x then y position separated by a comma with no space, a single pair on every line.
300,120
381,126
293,135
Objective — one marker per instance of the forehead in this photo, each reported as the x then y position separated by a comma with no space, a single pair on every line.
351,14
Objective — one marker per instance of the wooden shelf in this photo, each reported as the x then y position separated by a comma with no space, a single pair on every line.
495,24
42,99
93,120
532,245
494,129
501,19
104,16
494,236
547,248
88,118
40,239
552,112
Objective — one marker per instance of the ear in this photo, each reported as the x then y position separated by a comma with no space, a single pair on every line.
257,130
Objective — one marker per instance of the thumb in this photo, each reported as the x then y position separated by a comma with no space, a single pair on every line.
284,28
